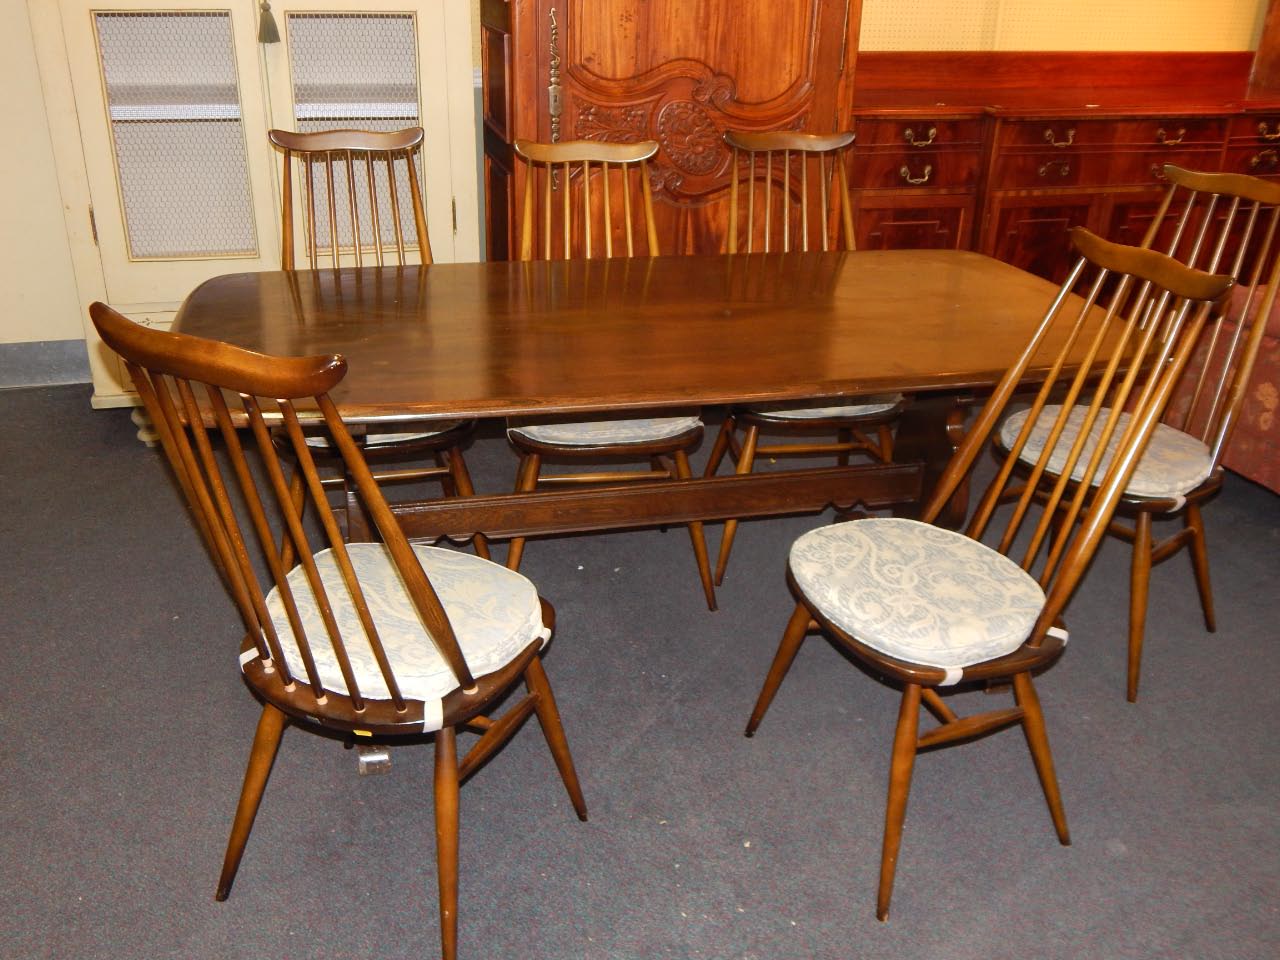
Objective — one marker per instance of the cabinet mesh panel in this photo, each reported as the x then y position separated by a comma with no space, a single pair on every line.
357,71
174,107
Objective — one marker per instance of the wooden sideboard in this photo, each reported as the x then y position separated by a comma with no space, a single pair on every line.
997,152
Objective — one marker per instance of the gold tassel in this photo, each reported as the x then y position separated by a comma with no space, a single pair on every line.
267,32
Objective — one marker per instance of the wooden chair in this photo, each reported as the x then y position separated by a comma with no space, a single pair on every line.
930,608
774,208
594,199
380,641
362,204
1223,223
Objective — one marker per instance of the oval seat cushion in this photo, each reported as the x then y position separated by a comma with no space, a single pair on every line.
592,433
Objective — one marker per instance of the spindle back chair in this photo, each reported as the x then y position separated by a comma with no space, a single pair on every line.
374,640
361,212
930,608
370,213
587,199
790,191
1223,223
773,208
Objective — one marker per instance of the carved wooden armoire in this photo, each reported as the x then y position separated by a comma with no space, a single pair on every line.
680,72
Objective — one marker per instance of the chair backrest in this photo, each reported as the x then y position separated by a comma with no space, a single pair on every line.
1110,360
773,208
1223,223
360,196
197,392
592,198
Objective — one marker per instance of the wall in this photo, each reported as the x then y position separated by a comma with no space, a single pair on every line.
37,286
1061,24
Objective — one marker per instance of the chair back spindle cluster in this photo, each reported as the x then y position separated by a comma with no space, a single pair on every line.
593,199
1111,357
354,204
789,191
170,372
1222,223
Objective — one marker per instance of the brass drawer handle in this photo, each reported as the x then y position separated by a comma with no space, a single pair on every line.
1267,158
1264,131
1051,138
1063,167
906,174
1157,171
909,135
1168,141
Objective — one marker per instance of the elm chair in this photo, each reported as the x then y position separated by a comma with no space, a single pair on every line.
594,199
1223,223
928,608
774,207
383,642
361,205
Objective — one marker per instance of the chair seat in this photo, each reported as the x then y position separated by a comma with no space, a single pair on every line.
372,441
870,406
595,433
495,613
1174,464
917,592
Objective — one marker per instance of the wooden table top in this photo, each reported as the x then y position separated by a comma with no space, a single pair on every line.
504,338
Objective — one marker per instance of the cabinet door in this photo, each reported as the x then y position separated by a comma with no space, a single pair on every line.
386,65
1032,232
913,222
171,115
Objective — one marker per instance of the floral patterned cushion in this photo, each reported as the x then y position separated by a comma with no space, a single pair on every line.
869,407
592,433
494,611
917,592
1174,463
375,440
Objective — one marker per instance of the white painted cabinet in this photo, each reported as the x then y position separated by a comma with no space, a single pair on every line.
159,111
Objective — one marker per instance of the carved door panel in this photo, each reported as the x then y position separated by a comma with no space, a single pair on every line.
897,222
677,71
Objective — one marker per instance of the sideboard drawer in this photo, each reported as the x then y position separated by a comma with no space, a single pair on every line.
1257,161
1051,169
913,133
1144,167
890,168
1058,134
1258,128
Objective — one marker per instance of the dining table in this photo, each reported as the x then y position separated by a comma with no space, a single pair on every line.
625,337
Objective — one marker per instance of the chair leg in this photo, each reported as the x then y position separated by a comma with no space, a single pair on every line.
886,443
535,677
792,638
526,482
447,484
895,812
843,436
1200,563
1139,580
266,741
698,537
745,462
462,481
446,795
1033,726
720,447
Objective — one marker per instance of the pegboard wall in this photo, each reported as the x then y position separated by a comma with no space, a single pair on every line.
1061,24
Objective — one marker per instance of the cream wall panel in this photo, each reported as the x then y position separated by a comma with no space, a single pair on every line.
1062,24
37,285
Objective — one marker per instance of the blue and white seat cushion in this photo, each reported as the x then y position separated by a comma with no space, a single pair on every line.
1173,464
495,614
869,406
917,592
373,440
592,433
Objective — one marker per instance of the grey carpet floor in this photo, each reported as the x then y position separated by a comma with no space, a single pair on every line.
125,729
